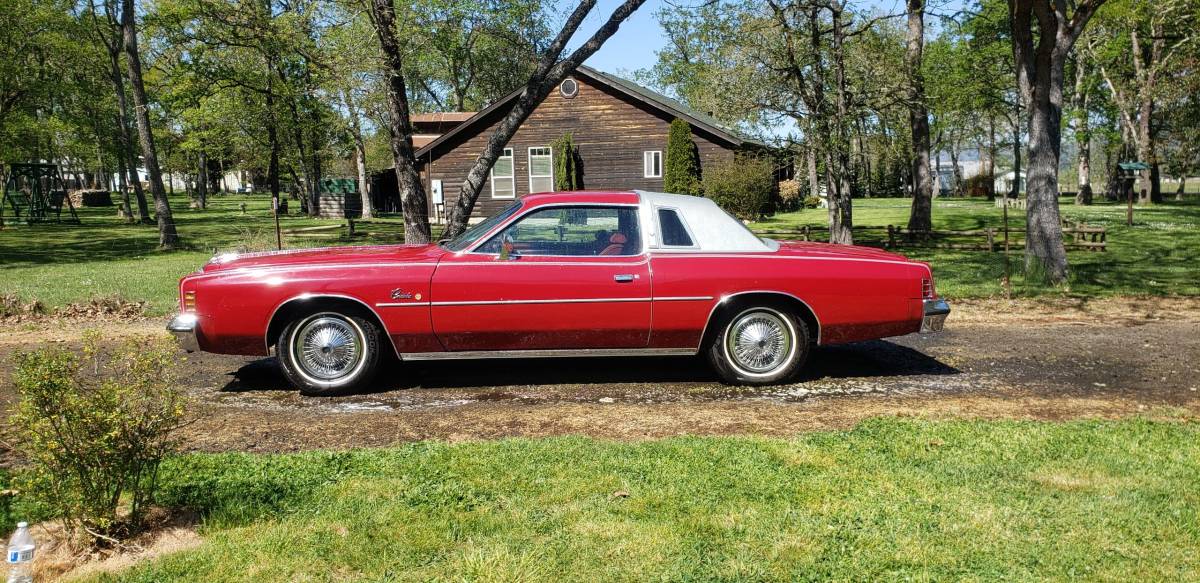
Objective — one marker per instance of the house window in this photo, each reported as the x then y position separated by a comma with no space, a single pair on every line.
504,183
652,164
541,170
569,88
672,230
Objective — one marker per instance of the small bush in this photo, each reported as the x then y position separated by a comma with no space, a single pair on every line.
789,195
681,171
94,430
812,202
742,186
979,185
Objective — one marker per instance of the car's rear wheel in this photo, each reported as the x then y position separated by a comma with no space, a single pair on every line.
759,345
329,353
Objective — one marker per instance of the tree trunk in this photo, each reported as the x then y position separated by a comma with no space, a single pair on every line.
548,74
360,153
841,222
1040,72
202,182
814,181
168,238
1180,189
412,192
1147,61
1083,135
991,154
1014,191
921,216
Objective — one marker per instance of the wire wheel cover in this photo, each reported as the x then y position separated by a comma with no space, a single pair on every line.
327,348
759,342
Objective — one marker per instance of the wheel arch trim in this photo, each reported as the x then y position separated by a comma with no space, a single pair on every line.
310,296
725,299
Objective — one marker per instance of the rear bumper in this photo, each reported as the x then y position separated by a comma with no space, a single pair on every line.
184,327
935,315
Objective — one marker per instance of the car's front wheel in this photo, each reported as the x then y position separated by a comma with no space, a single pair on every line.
759,345
329,353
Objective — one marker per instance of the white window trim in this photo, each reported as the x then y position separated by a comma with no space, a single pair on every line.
529,160
648,164
506,153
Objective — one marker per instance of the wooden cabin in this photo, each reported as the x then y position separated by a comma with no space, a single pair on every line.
618,127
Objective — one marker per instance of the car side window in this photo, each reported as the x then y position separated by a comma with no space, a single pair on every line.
578,231
672,230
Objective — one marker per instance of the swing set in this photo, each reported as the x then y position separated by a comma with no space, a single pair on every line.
36,194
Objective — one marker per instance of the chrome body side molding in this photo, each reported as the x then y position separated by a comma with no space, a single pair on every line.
553,353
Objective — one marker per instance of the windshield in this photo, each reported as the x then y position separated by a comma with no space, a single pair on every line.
480,229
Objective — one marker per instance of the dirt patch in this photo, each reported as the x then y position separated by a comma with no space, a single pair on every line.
1057,359
58,560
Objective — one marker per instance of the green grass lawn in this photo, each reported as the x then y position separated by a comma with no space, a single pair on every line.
890,500
61,264
1158,255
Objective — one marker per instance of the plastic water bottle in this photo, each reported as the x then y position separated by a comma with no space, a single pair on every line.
20,555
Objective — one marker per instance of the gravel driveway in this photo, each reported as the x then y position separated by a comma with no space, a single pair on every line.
997,359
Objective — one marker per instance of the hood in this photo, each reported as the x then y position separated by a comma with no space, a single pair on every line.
324,255
814,249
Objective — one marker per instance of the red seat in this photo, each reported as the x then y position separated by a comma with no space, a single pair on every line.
616,244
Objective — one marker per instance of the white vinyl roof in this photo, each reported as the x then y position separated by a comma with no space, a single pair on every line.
711,229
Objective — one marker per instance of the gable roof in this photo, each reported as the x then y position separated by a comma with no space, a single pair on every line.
653,99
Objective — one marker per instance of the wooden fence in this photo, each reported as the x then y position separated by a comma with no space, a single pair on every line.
355,228
1078,237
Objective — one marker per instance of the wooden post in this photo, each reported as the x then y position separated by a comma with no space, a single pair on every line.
1129,210
1007,275
991,237
805,235
891,236
351,222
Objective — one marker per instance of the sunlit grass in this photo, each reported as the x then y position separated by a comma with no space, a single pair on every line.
1158,255
889,500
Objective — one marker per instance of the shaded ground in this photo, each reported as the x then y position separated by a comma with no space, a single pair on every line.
1044,360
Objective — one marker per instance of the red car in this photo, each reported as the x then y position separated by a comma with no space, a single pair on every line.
563,274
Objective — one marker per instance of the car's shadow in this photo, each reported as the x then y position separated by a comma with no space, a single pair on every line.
876,358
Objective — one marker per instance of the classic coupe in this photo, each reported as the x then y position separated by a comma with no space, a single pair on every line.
558,274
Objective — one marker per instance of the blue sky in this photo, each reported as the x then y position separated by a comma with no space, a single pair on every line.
634,46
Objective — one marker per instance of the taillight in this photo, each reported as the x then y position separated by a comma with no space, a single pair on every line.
927,288
189,301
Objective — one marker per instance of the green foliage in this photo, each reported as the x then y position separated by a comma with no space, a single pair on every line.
890,499
94,429
681,171
566,176
980,185
812,201
743,186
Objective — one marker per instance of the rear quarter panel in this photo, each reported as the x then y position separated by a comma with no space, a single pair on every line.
853,299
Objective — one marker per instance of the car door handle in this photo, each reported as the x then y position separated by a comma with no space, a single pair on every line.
624,277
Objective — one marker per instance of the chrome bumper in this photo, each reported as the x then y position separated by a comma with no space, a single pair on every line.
935,315
183,327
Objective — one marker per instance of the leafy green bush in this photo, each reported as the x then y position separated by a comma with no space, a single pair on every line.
566,172
979,185
742,186
812,202
94,430
681,172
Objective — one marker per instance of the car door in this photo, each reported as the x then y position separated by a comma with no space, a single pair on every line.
558,277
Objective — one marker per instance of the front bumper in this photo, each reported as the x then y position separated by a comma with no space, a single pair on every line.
935,315
184,327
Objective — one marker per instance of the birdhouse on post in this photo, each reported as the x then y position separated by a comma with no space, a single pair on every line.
1128,173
